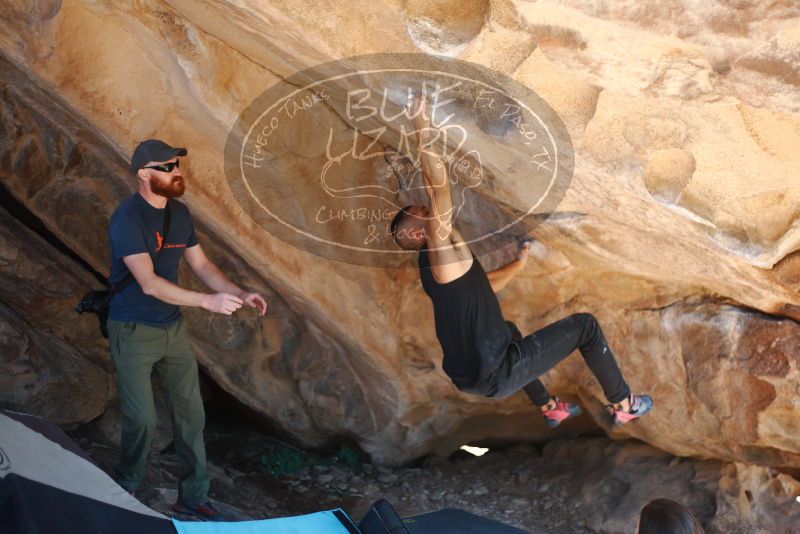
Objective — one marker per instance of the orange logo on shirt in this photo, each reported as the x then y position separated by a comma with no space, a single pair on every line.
160,243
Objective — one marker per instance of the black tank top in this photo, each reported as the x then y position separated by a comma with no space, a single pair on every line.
469,324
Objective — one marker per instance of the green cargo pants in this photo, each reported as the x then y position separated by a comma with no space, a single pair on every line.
138,349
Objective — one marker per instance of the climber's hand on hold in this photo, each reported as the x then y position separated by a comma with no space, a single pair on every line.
524,251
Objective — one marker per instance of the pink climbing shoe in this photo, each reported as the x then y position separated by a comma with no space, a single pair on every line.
640,405
563,411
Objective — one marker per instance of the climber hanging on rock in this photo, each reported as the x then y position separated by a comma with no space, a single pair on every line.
483,353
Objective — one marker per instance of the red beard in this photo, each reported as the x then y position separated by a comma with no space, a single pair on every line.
173,189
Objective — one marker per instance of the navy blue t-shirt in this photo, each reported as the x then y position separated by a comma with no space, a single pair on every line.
138,227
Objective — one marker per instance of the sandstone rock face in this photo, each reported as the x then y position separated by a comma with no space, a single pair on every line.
46,368
679,232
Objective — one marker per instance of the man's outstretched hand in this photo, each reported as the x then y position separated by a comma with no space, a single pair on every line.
255,300
228,303
224,303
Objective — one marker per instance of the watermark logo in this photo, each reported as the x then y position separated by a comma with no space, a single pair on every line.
325,159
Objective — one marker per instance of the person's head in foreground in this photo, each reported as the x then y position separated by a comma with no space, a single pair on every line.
663,516
409,227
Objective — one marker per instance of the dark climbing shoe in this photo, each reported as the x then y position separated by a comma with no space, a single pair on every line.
205,511
563,411
640,405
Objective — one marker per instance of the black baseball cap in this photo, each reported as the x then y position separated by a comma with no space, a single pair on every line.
153,150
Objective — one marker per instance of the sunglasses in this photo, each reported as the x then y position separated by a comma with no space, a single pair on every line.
167,167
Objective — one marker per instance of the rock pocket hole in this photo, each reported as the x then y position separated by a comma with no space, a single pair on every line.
445,27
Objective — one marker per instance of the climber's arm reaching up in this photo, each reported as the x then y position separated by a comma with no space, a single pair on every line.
434,175
449,254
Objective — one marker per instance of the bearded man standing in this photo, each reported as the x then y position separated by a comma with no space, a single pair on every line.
149,233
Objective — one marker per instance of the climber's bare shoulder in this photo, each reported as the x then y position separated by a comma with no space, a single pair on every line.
450,257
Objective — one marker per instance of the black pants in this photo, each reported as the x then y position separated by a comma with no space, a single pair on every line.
528,358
